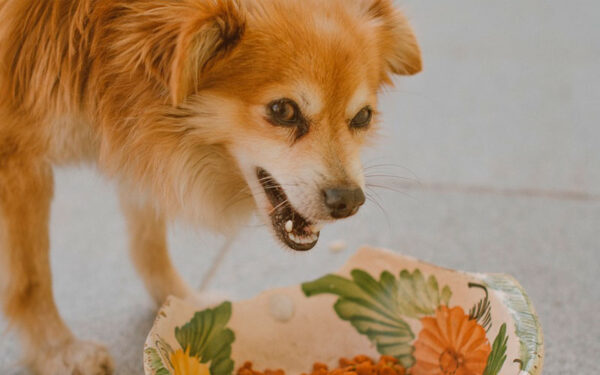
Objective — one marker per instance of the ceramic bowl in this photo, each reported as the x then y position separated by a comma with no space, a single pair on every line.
433,320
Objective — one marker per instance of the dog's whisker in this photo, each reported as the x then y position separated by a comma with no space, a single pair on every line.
386,165
389,176
237,199
372,199
384,168
283,203
391,181
275,183
384,186
389,188
374,194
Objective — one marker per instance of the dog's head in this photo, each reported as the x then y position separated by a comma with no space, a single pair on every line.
290,89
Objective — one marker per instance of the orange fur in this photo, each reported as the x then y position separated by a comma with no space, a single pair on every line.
168,99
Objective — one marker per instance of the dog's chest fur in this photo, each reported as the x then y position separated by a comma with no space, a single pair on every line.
72,140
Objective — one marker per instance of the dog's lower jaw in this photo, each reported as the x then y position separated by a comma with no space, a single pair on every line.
283,224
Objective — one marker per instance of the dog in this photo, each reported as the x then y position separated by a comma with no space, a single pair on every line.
204,110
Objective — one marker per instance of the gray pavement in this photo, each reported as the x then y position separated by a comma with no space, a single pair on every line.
499,144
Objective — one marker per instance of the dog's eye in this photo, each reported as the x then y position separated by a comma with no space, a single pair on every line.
284,112
362,118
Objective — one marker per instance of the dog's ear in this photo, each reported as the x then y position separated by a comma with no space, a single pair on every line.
211,34
397,42
176,42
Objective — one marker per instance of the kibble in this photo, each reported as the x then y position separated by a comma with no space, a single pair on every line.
359,365
338,246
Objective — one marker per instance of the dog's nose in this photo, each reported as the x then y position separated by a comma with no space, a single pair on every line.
343,202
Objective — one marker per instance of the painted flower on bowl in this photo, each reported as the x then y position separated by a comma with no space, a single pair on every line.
184,364
204,346
451,343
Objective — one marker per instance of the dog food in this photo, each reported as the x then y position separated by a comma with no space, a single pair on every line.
338,246
359,365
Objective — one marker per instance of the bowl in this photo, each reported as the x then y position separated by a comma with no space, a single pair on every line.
431,319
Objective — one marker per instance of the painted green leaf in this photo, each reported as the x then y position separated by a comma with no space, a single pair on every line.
376,308
155,362
164,350
498,354
207,338
482,311
527,327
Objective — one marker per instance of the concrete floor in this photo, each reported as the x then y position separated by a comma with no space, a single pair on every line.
499,141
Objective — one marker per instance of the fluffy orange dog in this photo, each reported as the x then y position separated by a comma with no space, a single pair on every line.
202,109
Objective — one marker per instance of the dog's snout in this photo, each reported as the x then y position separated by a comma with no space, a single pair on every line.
343,202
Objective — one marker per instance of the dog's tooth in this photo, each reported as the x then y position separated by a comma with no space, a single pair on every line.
289,226
315,228
303,240
310,239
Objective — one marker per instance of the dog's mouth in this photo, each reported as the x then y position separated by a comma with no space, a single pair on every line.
291,227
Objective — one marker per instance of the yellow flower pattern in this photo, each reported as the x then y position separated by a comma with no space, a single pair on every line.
183,364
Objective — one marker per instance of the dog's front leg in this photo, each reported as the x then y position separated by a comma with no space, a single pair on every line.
148,249
26,186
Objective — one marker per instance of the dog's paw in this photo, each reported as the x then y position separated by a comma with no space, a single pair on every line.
74,358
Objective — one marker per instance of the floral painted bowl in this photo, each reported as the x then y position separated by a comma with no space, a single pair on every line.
433,320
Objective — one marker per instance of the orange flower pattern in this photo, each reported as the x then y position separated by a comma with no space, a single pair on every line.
451,344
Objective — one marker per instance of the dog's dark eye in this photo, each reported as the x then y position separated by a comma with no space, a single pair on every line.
284,112
362,118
